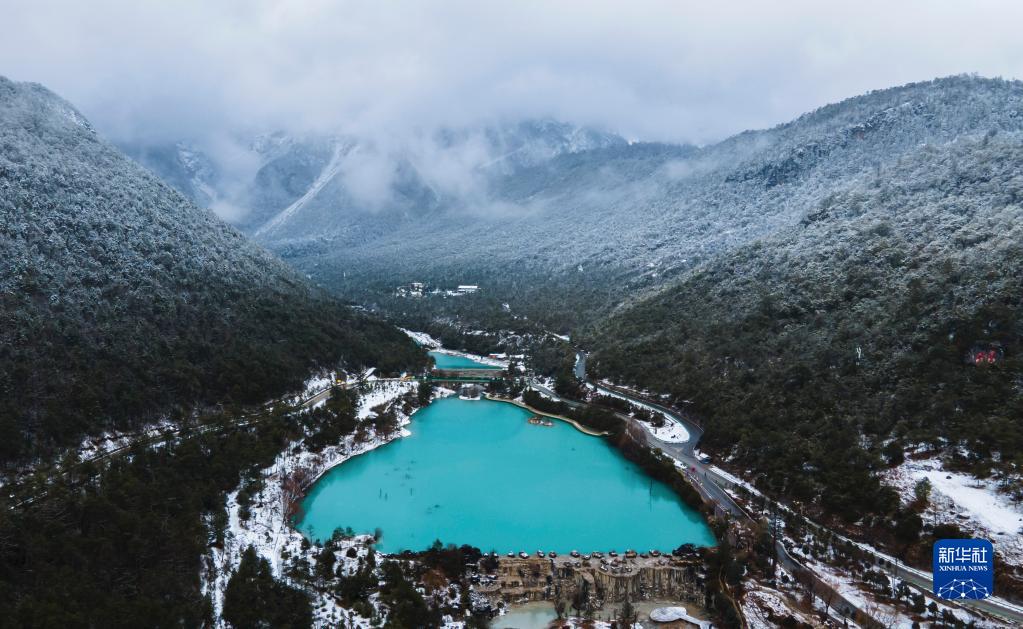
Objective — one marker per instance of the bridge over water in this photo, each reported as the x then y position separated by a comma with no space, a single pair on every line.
465,375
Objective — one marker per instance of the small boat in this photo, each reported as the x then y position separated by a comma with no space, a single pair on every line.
536,420
540,554
575,553
523,554
552,555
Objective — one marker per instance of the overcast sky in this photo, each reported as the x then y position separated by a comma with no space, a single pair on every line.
679,71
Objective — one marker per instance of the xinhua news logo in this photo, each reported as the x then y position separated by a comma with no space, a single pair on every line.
964,568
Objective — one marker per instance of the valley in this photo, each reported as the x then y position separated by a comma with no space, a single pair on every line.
367,367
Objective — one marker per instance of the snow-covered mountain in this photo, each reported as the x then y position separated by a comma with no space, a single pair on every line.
629,218
882,313
347,186
184,166
548,206
122,300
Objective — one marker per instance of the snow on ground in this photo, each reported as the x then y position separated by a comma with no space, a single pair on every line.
545,382
422,338
381,392
733,479
843,583
676,614
92,447
760,604
846,584
646,393
580,623
268,528
1010,547
671,432
973,504
849,587
318,383
486,360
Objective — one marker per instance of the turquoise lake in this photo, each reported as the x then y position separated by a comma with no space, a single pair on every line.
476,472
447,361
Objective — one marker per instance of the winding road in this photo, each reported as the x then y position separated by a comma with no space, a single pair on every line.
707,479
707,482
715,490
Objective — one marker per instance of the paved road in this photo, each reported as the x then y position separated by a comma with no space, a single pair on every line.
551,394
686,449
714,489
316,399
702,478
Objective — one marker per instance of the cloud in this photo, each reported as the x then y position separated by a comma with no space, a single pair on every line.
368,176
669,71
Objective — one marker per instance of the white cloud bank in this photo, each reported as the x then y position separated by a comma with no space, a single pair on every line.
674,71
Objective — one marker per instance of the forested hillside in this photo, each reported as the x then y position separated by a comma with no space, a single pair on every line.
571,237
567,223
803,286
120,300
890,315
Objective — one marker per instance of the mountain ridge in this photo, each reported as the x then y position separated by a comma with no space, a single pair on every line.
857,325
122,300
612,221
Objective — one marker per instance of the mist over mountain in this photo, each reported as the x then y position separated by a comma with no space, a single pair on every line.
587,212
871,238
122,301
741,281
291,180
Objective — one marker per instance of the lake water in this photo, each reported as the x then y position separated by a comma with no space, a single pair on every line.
448,361
476,472
527,616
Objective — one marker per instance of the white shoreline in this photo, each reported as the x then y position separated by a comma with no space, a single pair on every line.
269,529
486,360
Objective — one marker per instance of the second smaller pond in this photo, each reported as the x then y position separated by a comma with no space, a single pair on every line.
451,361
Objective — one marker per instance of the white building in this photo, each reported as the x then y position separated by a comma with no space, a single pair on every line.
466,289
415,289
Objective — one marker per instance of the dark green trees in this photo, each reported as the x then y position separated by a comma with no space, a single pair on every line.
253,598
